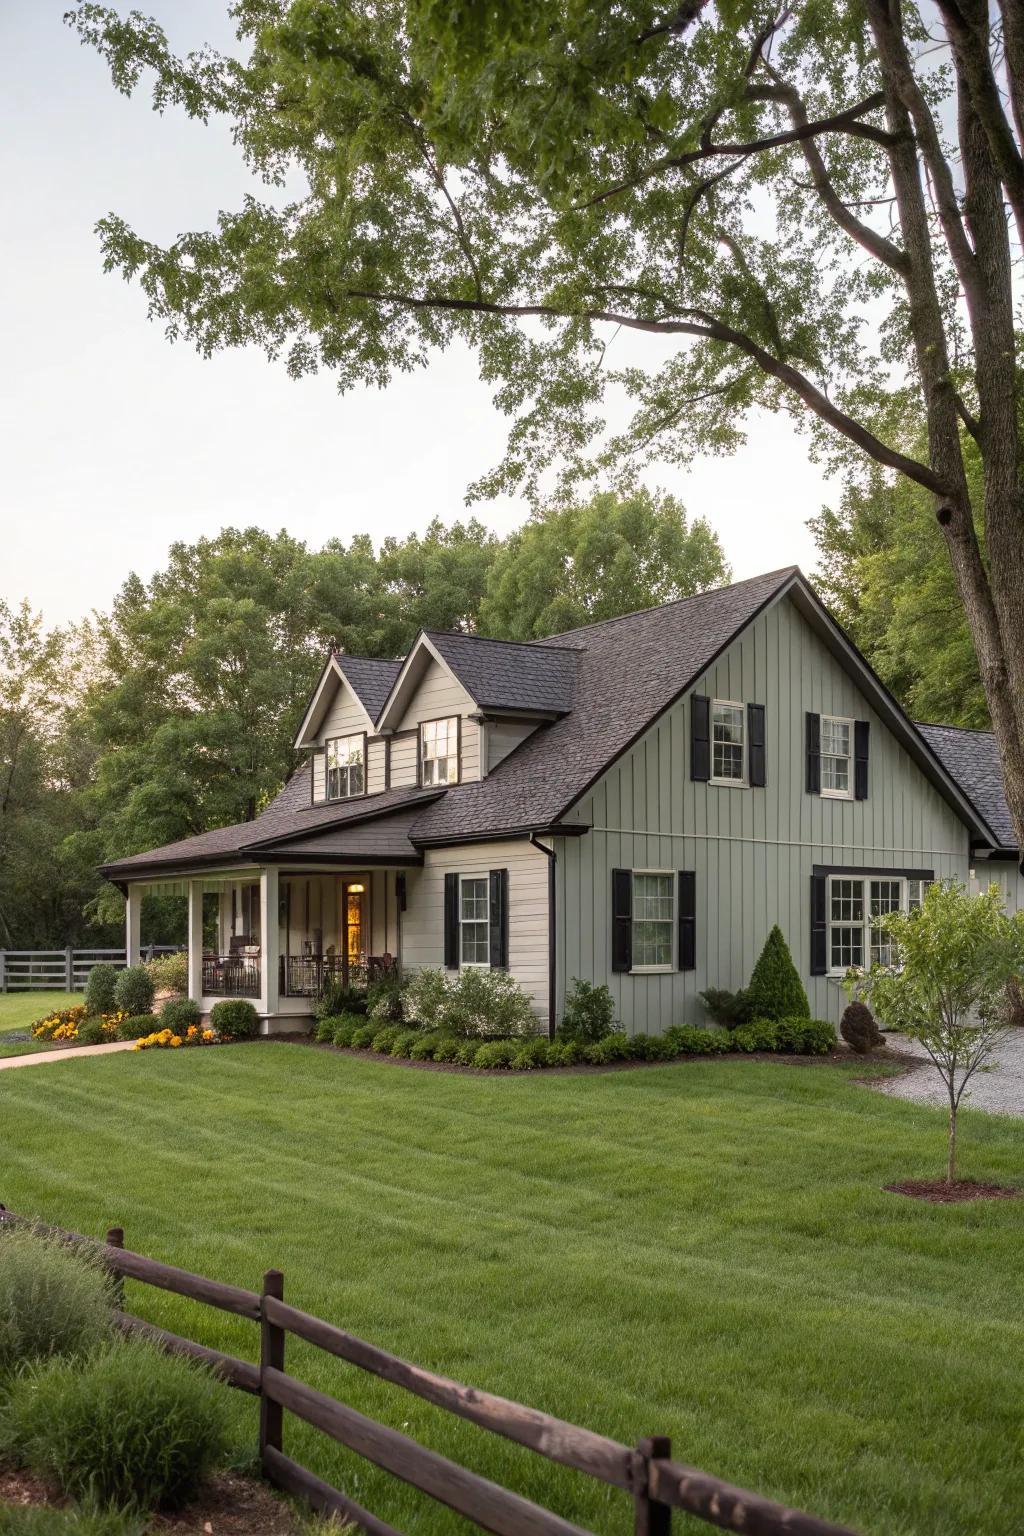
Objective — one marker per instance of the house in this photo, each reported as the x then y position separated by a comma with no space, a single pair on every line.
635,803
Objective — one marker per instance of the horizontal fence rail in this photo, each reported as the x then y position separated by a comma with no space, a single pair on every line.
646,1472
63,970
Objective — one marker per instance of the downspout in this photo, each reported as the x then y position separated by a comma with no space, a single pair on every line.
552,859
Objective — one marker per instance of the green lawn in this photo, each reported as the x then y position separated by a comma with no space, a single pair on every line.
702,1250
20,1009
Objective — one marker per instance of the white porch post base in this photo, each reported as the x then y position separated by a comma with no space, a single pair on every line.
195,939
133,925
269,945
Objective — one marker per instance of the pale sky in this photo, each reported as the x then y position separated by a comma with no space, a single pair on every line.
114,443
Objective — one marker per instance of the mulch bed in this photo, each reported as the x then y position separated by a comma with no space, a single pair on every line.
940,1193
229,1505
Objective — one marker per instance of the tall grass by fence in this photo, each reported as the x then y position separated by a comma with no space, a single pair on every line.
62,970
645,1473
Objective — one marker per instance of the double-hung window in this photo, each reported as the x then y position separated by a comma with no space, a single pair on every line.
345,776
837,757
439,751
474,921
727,742
855,937
653,920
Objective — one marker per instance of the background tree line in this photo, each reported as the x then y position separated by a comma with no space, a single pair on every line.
175,711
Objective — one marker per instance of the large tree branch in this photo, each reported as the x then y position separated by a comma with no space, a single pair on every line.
705,327
1013,52
847,121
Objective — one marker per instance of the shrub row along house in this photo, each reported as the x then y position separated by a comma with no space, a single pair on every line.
635,803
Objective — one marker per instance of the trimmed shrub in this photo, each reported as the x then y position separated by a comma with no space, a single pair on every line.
362,1038
384,998
651,1048
235,1019
404,1041
92,1032
323,1034
564,1053
465,1055
100,986
530,1054
728,1008
136,1027
447,1047
169,972
775,990
128,1427
54,1300
796,1036
423,1046
134,990
488,1005
816,1036
589,1013
345,1027
615,1046
690,1040
495,1053
385,1037
179,1013
858,1028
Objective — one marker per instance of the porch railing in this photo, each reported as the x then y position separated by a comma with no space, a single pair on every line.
231,975
307,975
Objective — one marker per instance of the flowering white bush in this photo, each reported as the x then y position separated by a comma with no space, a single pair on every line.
477,1003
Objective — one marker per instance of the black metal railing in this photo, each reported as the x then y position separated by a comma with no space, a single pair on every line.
231,975
307,975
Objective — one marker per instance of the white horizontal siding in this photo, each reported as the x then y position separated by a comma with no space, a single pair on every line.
423,921
376,755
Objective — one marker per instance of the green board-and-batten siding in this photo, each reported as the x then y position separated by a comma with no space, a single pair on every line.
752,850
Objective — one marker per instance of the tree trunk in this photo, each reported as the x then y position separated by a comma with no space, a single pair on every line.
951,1159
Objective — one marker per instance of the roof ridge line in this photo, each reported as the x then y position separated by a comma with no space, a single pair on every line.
783,570
965,730
537,645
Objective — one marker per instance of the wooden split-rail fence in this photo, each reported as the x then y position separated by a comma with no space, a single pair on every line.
646,1472
62,970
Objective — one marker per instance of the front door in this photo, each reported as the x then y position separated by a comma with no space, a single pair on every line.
355,909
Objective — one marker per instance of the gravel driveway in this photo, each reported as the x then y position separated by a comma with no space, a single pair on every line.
1000,1088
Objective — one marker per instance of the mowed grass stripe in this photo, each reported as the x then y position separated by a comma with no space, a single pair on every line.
702,1250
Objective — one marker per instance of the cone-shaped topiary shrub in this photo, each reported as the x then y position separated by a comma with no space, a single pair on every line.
99,989
134,990
775,990
859,1030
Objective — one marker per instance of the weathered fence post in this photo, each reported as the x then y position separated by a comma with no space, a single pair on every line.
115,1239
652,1518
69,969
271,1357
3,970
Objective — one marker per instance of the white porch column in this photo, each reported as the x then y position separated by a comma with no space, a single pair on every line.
195,939
269,940
132,924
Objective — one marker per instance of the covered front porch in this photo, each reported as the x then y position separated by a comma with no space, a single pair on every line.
276,936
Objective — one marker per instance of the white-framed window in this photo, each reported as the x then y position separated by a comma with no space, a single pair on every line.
654,913
837,757
727,742
345,770
474,921
439,751
855,903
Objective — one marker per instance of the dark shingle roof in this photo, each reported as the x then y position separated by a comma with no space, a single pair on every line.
372,679
506,674
628,670
972,759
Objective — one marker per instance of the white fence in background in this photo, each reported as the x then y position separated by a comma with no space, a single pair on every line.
62,970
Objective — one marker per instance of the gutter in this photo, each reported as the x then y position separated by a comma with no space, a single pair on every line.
552,858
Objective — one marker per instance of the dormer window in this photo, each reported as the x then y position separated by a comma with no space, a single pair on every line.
346,757
439,751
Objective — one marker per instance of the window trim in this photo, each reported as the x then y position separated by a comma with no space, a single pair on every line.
848,792
673,922
329,742
475,965
439,720
743,782
866,877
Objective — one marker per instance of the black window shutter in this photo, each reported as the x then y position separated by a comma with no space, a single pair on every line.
451,922
622,920
813,754
756,765
498,893
819,925
861,733
700,738
687,920
400,892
